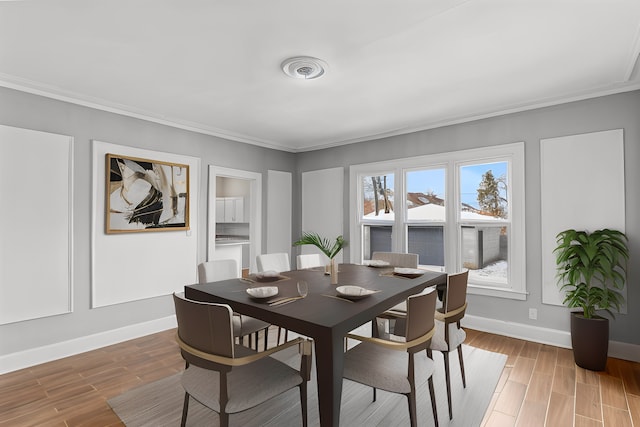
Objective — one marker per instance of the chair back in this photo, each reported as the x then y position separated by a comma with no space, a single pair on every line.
456,291
277,262
219,269
204,326
420,314
397,259
308,261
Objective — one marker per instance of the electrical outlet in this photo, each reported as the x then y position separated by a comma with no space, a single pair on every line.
533,314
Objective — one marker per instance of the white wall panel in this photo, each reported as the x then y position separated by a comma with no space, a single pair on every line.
36,190
582,188
279,193
134,266
322,205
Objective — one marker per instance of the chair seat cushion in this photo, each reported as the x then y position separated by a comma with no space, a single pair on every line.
248,385
456,337
383,368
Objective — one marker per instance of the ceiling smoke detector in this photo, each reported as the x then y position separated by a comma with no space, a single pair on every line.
304,67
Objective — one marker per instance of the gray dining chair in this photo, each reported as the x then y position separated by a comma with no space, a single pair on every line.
394,365
449,336
243,326
229,378
395,259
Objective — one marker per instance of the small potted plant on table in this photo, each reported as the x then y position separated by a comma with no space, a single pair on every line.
591,270
330,249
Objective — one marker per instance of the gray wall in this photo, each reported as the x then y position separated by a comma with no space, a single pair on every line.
610,112
84,124
28,111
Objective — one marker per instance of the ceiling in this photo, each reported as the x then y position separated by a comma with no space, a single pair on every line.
393,66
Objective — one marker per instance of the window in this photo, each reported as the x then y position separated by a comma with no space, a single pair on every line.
483,221
377,213
459,210
426,215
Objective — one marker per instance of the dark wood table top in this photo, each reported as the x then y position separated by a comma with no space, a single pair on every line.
317,309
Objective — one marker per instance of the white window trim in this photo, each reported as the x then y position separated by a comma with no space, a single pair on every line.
517,247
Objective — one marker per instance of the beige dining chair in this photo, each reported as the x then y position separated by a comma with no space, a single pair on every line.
449,335
278,262
308,261
243,326
229,378
394,365
397,259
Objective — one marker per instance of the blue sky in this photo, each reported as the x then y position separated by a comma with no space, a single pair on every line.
424,181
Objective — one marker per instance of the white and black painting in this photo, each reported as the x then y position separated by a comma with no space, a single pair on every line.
146,195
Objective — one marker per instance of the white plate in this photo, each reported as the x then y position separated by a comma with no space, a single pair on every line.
377,263
408,272
354,292
263,292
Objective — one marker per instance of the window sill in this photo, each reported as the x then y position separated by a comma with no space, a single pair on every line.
497,292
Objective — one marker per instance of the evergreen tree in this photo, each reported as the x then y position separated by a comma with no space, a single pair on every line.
489,196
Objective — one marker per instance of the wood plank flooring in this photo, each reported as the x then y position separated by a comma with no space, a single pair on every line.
540,385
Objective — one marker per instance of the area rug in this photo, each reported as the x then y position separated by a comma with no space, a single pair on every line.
160,403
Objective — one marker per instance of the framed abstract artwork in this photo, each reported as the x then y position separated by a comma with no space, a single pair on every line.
145,195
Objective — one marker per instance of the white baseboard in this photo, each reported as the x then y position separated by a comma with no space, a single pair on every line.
24,359
540,335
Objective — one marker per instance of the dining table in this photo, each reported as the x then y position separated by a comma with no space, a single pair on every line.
323,314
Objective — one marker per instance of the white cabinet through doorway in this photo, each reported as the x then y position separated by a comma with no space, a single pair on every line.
230,209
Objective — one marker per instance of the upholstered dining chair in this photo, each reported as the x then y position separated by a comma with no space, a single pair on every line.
449,335
394,365
308,261
278,262
243,326
395,259
229,378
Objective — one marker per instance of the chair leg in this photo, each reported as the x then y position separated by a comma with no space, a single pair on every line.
224,419
433,402
185,409
303,402
266,337
279,331
464,381
447,375
411,399
375,394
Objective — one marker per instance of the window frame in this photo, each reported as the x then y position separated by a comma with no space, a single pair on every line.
513,153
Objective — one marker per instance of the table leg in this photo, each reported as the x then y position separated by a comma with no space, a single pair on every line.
329,367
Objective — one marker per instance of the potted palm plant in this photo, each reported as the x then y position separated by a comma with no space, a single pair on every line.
591,270
327,247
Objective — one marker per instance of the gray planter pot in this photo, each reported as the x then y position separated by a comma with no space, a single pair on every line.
590,341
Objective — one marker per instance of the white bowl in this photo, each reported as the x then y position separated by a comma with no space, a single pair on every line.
353,292
263,291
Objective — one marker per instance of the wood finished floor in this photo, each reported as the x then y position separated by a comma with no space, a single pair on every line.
540,385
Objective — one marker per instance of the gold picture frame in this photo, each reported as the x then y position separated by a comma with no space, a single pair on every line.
145,195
